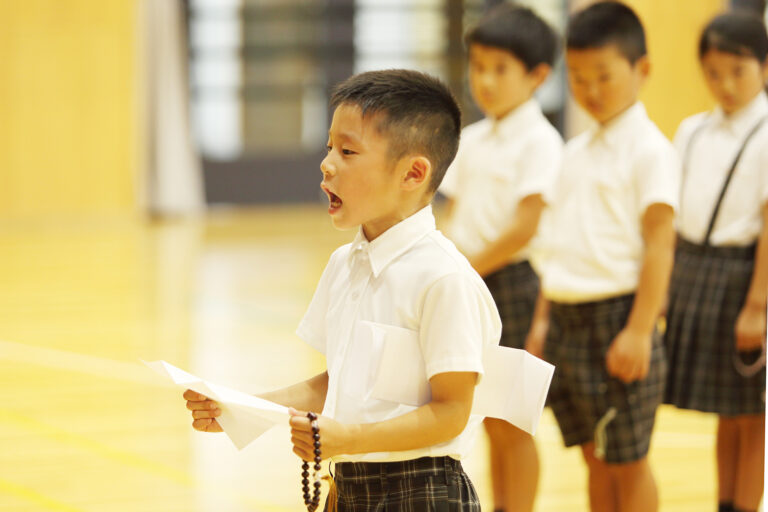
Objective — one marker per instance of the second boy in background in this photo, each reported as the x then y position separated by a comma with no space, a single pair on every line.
610,242
498,186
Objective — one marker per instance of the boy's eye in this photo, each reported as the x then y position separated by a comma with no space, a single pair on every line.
328,148
604,78
347,152
501,68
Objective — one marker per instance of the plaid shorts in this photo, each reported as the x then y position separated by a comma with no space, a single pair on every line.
428,484
707,291
514,289
588,403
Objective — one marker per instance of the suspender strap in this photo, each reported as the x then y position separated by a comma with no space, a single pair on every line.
727,182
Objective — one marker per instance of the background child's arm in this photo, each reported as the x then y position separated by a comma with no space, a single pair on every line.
308,395
522,228
629,355
439,421
537,334
751,324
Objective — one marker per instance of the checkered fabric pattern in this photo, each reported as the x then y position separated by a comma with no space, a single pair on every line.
514,289
420,485
582,393
708,289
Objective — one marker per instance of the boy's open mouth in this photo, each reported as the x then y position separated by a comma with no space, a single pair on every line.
333,198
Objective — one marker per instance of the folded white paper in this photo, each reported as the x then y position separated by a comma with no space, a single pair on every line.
243,417
514,386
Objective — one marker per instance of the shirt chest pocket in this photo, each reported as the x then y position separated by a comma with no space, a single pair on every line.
363,358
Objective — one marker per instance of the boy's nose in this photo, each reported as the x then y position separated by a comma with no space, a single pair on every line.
326,167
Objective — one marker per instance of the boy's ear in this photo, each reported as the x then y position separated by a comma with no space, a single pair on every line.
417,173
540,73
643,66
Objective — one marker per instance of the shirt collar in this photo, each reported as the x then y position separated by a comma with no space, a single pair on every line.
621,126
394,241
518,120
740,122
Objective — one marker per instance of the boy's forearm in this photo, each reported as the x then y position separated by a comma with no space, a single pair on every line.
308,395
498,254
757,296
514,238
430,424
655,272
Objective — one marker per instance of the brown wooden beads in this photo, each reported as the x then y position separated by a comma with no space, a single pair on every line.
312,501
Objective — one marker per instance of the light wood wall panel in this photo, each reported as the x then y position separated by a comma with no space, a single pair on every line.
68,95
676,88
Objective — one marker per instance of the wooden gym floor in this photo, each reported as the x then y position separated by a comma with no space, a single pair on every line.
85,427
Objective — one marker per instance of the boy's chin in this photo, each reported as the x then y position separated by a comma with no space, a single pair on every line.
341,224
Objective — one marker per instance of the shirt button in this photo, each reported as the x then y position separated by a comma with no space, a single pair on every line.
355,295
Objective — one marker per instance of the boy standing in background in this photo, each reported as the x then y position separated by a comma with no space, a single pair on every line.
609,252
498,186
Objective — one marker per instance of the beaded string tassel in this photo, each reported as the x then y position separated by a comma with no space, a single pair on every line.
312,501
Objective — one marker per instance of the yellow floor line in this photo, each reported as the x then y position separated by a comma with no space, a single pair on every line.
35,497
76,362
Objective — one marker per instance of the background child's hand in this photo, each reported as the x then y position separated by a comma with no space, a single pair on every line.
204,412
333,436
629,356
750,328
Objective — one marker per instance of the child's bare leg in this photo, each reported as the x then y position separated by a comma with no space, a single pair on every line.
727,458
636,486
515,464
751,462
603,495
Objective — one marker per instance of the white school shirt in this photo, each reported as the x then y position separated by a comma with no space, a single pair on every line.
499,163
709,158
593,244
410,281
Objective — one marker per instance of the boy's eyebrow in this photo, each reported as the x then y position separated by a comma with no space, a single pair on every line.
345,136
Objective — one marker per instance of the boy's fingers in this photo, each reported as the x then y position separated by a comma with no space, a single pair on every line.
207,425
194,396
304,444
204,405
300,423
206,414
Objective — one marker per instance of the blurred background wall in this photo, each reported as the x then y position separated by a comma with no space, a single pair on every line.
68,108
80,130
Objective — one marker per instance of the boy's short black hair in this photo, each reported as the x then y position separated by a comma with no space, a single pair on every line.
605,23
518,30
739,33
418,114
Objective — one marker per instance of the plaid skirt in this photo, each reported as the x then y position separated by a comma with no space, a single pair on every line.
707,291
428,484
589,404
514,289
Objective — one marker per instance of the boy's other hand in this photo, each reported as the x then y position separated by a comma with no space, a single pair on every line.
750,328
333,436
629,356
204,412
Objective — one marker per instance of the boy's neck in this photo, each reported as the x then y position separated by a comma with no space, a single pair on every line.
372,231
610,120
509,110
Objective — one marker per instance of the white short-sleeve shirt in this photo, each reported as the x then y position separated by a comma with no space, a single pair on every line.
708,158
593,244
410,281
499,163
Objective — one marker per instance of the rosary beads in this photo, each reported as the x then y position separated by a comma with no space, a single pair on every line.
312,501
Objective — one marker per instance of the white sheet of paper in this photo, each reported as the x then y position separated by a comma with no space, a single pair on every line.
514,386
243,417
